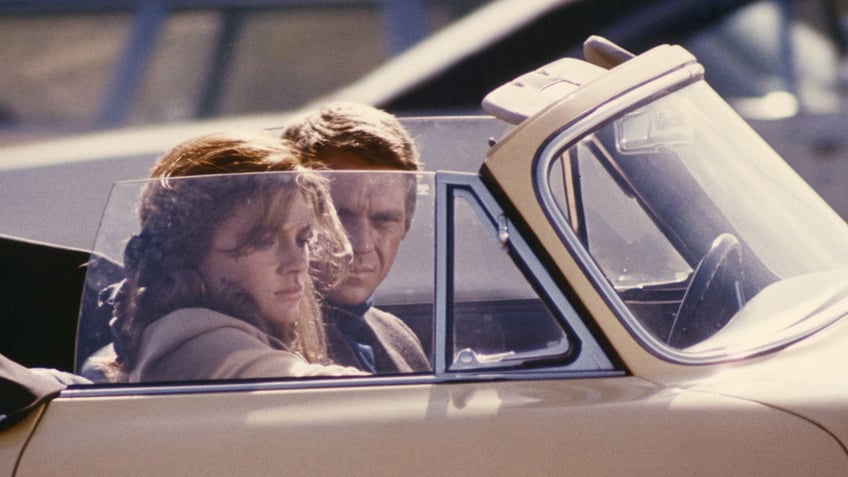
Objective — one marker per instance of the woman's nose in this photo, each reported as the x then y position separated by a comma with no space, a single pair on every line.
291,258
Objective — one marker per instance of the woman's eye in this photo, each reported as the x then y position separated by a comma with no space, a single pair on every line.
263,243
304,238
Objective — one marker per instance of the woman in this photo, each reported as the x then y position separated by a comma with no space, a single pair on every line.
218,283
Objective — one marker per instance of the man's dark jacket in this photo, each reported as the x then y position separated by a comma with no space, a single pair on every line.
373,340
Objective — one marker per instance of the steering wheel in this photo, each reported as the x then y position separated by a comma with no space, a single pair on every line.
713,296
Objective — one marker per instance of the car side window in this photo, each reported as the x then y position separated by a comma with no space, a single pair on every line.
255,296
498,320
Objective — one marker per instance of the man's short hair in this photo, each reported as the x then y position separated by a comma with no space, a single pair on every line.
361,129
357,128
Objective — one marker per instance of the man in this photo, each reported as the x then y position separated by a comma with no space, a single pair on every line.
376,211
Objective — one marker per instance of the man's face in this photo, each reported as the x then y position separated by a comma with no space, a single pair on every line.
372,209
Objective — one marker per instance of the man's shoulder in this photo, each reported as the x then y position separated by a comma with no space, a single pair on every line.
377,317
398,339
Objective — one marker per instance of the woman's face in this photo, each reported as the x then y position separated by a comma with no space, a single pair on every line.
272,269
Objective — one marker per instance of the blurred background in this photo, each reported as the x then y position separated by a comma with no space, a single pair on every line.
79,65
85,66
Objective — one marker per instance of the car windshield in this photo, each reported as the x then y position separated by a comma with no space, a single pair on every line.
693,220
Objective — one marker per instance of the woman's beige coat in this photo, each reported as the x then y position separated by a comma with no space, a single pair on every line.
202,344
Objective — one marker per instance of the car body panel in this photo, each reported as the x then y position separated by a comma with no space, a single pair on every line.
800,379
481,428
480,51
504,38
14,439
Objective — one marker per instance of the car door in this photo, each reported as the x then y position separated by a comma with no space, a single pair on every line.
522,383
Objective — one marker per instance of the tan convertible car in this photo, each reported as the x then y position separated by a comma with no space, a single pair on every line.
632,283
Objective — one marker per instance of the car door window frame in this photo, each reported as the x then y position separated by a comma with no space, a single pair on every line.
586,354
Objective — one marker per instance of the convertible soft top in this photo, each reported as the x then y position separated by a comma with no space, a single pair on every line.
23,389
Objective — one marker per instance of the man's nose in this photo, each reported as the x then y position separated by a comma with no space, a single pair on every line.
361,235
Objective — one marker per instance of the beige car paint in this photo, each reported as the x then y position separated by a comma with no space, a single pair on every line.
14,439
606,426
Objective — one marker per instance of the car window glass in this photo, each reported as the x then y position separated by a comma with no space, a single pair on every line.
633,253
406,291
495,311
626,243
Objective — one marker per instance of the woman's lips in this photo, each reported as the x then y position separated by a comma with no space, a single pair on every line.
289,293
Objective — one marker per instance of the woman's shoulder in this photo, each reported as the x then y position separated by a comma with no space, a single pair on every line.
199,343
188,322
192,343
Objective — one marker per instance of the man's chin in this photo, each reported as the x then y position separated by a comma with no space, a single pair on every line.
348,297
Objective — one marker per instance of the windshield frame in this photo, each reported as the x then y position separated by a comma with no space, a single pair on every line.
570,136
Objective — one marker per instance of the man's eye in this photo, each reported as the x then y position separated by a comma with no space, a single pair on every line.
386,220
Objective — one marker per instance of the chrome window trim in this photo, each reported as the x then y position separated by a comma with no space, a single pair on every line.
590,355
148,389
292,384
442,286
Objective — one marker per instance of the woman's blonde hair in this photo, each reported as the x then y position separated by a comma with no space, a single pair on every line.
178,218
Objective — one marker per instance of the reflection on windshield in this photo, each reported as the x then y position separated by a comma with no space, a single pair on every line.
691,216
788,227
815,299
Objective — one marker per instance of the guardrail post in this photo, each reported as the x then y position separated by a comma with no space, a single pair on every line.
130,70
405,24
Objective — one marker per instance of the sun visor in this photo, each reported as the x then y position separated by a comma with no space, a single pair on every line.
530,93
